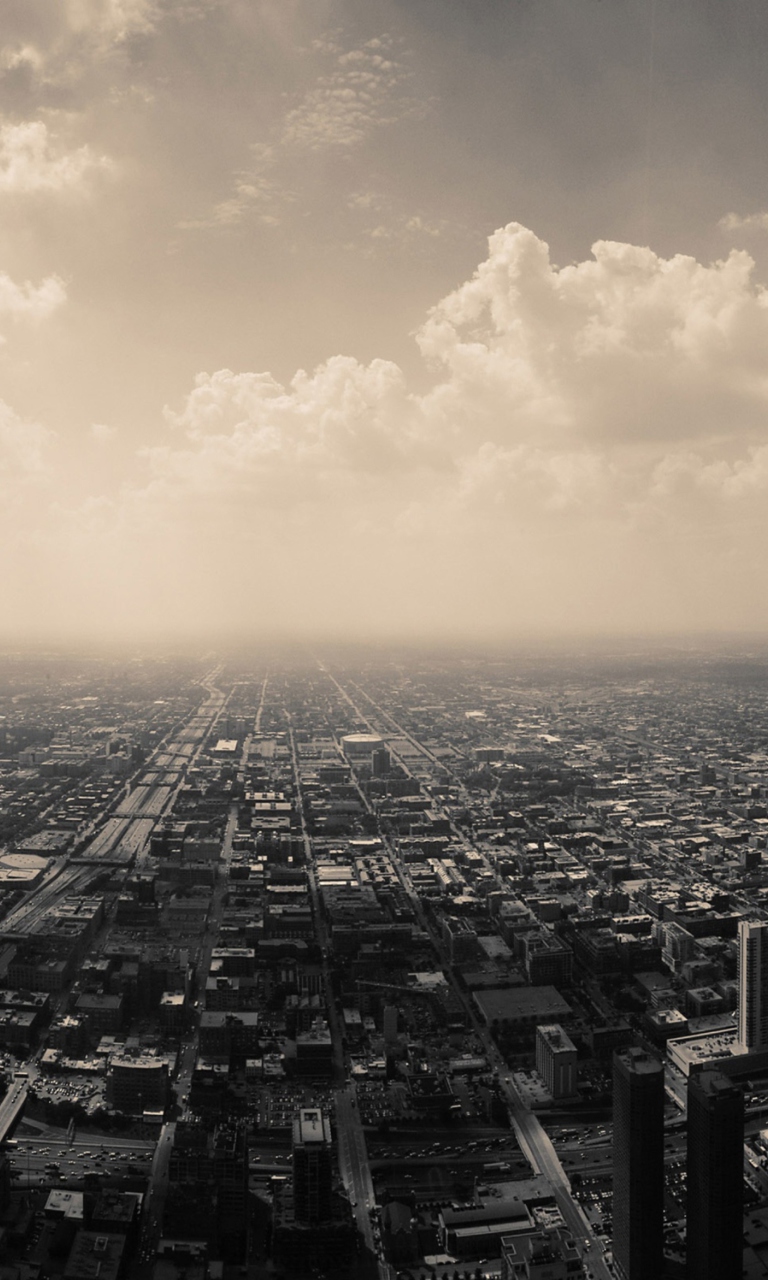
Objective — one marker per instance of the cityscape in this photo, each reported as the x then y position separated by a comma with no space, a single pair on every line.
409,964
383,640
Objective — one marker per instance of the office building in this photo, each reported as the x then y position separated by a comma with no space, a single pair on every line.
208,1187
753,985
556,1060
638,1165
138,1084
715,1182
312,1168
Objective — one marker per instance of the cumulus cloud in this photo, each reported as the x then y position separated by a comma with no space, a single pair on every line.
592,450
577,416
30,160
554,379
625,347
247,433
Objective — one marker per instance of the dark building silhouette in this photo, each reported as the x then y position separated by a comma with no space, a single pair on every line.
715,1176
313,1229
208,1187
638,1165
312,1166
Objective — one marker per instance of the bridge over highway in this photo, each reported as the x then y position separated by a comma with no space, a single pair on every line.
12,1106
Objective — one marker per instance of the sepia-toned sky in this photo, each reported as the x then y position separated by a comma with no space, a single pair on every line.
419,317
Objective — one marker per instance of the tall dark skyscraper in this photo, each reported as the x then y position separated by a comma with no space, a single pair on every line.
638,1165
312,1166
715,1176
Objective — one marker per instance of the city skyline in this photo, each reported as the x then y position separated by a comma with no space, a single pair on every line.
440,320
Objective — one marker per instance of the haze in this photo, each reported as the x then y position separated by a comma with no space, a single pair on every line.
433,318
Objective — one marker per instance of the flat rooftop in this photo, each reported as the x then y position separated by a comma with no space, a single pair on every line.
517,1004
311,1126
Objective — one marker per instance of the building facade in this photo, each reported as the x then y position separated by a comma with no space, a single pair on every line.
638,1165
715,1176
312,1166
753,984
556,1060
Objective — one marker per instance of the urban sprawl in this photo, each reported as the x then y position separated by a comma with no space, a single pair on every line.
416,965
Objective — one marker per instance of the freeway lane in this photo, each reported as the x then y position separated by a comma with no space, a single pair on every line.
106,1155
69,876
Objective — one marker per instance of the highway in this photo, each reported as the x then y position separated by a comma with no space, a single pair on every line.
12,1106
108,1156
124,837
63,879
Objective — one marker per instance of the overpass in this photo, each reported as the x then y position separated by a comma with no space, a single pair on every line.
13,1105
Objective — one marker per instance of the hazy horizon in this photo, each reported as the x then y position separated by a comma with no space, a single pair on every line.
439,321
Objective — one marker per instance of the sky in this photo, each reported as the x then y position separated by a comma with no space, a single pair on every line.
418,318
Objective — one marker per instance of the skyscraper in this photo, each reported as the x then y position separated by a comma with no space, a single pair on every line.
638,1165
715,1176
753,984
312,1166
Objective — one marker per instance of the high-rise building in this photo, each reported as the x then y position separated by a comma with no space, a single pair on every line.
312,1166
638,1165
208,1186
753,984
715,1180
313,1226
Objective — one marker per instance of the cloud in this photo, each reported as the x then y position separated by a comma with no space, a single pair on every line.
21,56
591,450
30,161
550,378
22,451
114,19
257,194
747,222
102,433
248,434
380,224
28,301
366,89
622,348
